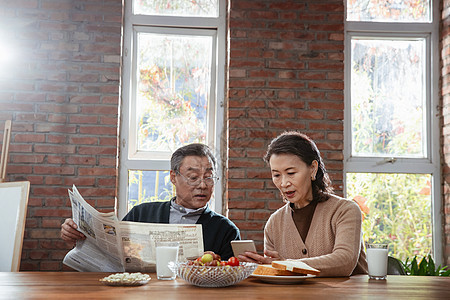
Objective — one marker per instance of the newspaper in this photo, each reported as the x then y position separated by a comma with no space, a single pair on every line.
117,246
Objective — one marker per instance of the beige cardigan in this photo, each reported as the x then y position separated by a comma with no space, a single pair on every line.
334,241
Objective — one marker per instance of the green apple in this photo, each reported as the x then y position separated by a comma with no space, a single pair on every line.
206,258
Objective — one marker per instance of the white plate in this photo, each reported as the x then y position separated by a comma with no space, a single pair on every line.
282,279
119,283
126,279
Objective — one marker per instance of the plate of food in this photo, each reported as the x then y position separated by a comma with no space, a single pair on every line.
285,272
126,279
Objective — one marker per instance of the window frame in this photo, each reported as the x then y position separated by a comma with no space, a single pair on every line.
429,165
161,161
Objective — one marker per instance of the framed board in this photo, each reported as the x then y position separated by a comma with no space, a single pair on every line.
13,210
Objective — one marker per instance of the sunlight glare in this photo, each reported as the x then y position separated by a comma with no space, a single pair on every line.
6,54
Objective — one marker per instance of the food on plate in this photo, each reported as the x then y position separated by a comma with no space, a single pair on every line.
211,259
126,279
295,266
271,271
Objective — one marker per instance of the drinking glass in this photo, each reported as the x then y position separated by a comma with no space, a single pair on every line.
377,260
165,253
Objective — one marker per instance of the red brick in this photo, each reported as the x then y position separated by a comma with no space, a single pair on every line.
250,225
54,149
246,103
287,5
247,123
287,125
54,180
109,121
258,215
96,150
107,182
251,174
235,194
35,159
246,83
56,159
79,181
232,184
96,171
236,215
261,113
38,255
99,110
29,138
50,265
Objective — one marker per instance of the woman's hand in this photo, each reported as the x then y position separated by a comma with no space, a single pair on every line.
259,259
69,232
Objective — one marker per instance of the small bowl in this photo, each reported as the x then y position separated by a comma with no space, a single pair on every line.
207,276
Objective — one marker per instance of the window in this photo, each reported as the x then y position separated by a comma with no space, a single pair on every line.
391,166
173,88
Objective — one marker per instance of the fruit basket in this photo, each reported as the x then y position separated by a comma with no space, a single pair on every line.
207,276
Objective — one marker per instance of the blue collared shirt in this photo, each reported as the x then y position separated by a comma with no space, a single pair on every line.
182,215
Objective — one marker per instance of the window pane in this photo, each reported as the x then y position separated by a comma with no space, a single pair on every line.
174,79
396,210
388,98
389,10
198,8
148,186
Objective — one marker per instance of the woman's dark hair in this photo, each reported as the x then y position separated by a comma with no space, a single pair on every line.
191,150
299,144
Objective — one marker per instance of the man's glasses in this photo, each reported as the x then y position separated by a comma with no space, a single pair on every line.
196,180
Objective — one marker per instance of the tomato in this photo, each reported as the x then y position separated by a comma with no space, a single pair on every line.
223,263
233,261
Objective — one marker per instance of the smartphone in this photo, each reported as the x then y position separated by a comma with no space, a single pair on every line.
240,246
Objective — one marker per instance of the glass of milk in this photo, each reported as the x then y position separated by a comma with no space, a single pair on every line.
165,253
377,260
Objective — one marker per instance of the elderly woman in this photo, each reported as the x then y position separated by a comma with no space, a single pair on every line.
316,226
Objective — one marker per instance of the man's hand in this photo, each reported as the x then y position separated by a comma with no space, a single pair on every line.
69,232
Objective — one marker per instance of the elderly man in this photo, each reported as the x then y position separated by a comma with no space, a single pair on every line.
192,174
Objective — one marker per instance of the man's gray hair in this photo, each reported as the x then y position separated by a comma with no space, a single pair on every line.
191,150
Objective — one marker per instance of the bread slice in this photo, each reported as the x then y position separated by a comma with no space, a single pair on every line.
295,266
269,270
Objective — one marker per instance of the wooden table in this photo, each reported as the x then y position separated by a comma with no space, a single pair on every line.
74,285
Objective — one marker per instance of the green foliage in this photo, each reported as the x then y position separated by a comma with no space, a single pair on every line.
173,91
396,210
148,193
168,119
426,267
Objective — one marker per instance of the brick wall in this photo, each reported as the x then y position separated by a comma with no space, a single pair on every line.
445,81
61,91
285,72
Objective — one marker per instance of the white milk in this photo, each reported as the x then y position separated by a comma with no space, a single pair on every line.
165,254
377,261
